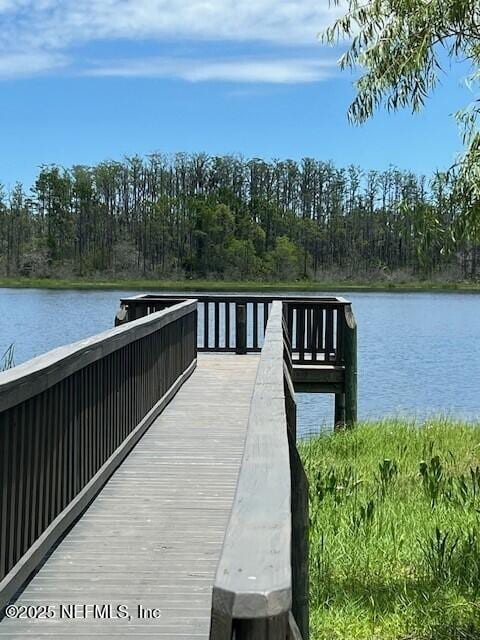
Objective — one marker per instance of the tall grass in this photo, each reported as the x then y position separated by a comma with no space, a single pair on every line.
323,284
395,532
7,361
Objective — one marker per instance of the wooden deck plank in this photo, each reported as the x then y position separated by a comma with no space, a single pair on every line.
153,535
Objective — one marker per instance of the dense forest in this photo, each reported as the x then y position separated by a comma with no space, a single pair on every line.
226,217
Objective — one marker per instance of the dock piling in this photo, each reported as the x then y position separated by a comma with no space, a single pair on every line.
350,361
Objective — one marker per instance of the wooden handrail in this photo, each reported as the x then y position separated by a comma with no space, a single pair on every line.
68,419
252,594
30,378
236,322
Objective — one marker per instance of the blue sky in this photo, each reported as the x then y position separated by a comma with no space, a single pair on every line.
88,80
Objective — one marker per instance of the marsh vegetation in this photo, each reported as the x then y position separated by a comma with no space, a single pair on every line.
395,532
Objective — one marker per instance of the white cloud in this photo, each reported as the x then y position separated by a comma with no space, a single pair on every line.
60,22
29,64
279,71
56,27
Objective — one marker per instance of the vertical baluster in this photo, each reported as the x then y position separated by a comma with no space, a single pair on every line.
85,438
43,463
309,341
27,472
301,332
338,336
5,524
35,484
205,325
321,331
113,428
108,371
68,442
227,325
240,328
49,459
54,452
13,516
73,418
122,393
328,334
104,410
217,324
56,458
316,325
126,390
94,432
91,432
255,324
62,437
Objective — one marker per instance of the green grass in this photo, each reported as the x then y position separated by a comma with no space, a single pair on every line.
395,532
230,286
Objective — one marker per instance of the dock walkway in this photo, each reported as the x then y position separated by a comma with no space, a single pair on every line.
153,535
150,482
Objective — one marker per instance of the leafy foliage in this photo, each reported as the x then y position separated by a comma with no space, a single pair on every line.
197,216
400,46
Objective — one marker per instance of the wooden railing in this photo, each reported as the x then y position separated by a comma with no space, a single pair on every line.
322,332
261,584
237,323
69,417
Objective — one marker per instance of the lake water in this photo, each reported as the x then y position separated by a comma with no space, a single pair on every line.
419,353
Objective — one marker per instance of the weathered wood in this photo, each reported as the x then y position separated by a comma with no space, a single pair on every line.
309,341
350,361
30,560
294,631
154,533
253,583
300,552
35,376
241,328
273,628
255,324
206,325
326,378
227,325
78,424
217,325
290,404
329,329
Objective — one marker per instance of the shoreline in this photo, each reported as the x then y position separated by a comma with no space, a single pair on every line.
231,286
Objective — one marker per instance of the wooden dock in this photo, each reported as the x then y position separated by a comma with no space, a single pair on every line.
150,480
153,535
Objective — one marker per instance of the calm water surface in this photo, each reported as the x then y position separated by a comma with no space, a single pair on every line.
419,353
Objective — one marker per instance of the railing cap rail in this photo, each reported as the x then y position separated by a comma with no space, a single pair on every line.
253,578
38,374
237,297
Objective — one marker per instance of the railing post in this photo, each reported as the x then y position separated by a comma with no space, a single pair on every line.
300,550
121,317
241,328
350,362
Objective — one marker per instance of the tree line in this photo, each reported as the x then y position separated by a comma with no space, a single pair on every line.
195,215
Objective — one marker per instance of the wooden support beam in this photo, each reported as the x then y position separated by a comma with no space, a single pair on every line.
350,361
